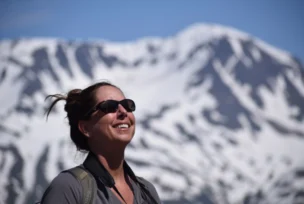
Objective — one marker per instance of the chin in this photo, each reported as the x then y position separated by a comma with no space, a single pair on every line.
125,138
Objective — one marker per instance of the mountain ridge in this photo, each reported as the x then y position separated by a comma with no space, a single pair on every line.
227,112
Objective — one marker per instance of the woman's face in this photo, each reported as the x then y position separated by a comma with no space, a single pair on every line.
108,130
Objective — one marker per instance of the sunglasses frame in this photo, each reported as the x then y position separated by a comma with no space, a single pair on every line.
98,106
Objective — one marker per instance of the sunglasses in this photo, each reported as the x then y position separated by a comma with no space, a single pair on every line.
111,106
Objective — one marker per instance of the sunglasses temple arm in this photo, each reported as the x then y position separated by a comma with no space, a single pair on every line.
90,112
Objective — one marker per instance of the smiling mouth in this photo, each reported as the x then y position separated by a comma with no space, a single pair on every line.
122,126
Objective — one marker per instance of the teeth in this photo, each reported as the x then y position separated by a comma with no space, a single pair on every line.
123,126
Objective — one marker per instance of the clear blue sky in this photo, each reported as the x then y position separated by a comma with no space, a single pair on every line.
278,22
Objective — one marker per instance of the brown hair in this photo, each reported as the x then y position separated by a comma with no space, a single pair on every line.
78,103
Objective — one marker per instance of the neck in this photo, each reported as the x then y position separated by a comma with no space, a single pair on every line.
113,162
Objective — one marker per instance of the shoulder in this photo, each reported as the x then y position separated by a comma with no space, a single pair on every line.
65,180
151,188
64,188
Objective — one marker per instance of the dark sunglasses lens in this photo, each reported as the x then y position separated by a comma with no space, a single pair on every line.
109,106
128,104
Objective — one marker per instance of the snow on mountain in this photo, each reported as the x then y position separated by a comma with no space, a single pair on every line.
220,114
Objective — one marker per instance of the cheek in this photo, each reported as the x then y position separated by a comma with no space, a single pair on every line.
103,124
99,133
132,118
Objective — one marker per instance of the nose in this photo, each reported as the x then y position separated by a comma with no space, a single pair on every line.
121,110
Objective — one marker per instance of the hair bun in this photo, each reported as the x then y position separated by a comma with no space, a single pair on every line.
72,100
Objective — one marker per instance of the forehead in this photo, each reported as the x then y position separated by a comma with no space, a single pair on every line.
109,92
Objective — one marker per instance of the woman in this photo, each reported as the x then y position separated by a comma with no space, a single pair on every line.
101,123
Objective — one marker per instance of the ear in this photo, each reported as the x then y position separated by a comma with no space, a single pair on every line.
83,128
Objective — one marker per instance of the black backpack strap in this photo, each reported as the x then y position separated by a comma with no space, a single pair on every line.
88,183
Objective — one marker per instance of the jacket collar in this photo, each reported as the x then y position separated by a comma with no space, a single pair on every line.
96,168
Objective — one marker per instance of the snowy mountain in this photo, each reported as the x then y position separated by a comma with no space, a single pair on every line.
220,114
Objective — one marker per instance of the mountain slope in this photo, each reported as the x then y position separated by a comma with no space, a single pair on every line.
219,117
